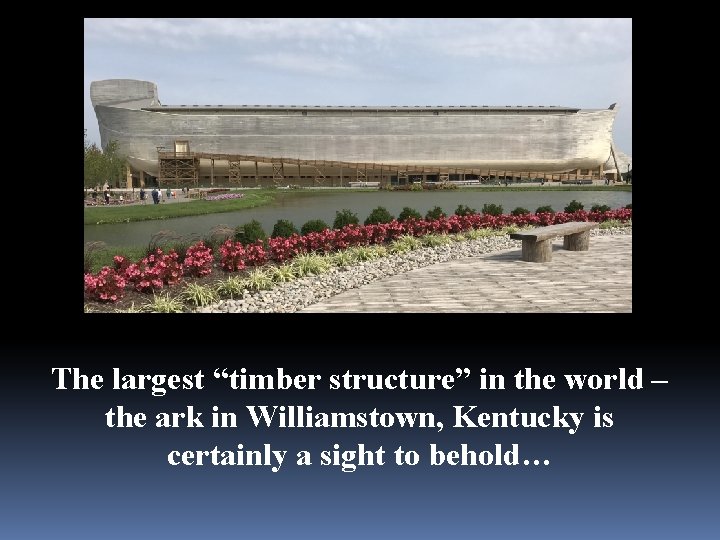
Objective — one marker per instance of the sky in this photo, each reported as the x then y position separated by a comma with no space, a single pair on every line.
584,63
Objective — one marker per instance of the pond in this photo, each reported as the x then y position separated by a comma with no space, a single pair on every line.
301,209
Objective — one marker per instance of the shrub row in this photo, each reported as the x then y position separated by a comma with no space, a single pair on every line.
252,232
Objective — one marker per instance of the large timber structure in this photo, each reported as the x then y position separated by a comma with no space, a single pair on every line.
251,145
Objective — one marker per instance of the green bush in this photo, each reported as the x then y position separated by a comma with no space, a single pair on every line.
520,211
463,210
435,213
574,206
379,215
284,228
600,208
544,210
409,213
492,209
314,225
250,232
345,217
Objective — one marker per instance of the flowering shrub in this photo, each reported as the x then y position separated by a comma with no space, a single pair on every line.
155,270
255,254
121,263
106,286
282,249
198,260
350,236
321,242
232,256
224,197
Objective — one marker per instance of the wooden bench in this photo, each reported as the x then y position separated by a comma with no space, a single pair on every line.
537,243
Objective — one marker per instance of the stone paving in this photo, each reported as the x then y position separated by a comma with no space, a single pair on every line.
598,280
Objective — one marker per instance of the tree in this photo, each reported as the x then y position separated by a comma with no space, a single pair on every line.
93,164
114,164
103,166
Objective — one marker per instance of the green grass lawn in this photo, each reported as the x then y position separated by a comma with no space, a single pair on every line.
104,257
142,212
97,215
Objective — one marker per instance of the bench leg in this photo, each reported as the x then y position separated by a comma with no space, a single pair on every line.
577,242
537,251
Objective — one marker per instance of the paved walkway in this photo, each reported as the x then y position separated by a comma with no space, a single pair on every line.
598,280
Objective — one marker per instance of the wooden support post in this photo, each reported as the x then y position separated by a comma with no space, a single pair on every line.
617,165
533,251
128,177
298,172
341,176
212,171
577,242
381,175
257,177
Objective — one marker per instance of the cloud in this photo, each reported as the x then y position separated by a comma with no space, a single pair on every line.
306,63
528,40
536,41
191,33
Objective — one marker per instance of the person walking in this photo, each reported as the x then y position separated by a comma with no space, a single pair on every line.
142,194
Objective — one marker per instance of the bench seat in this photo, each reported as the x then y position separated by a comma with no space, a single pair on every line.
537,242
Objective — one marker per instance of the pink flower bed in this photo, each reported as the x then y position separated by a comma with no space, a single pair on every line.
198,260
159,269
224,197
